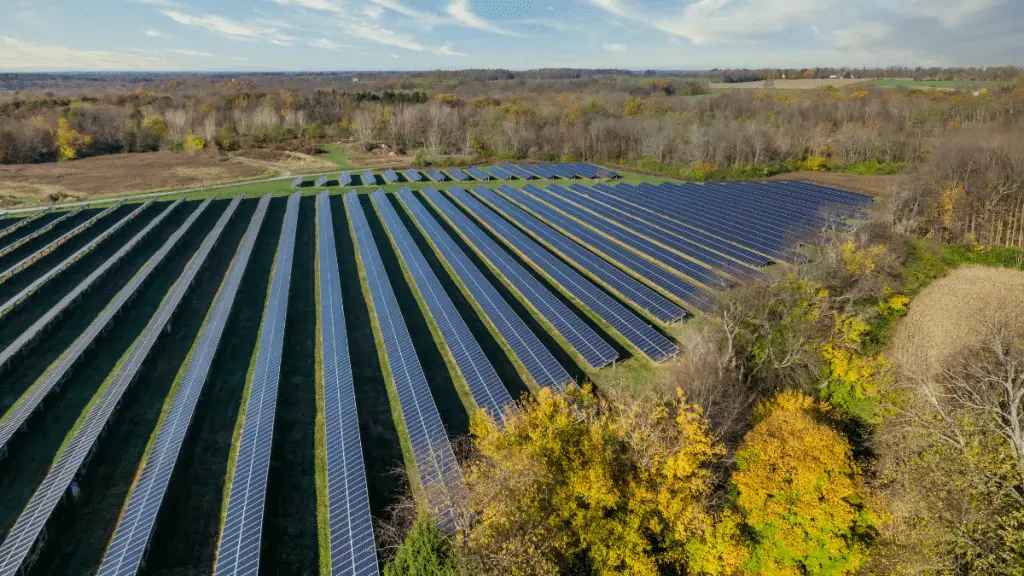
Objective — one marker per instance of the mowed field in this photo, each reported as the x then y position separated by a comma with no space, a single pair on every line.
381,319
796,84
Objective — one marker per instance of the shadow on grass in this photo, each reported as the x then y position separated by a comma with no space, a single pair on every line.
79,535
442,388
185,538
382,450
492,349
14,323
290,540
32,452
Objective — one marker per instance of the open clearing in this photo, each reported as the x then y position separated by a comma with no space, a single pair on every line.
117,174
874,185
789,84
954,314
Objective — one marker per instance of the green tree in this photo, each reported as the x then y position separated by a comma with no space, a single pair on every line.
426,551
800,492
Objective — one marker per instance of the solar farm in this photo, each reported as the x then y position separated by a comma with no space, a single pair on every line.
228,384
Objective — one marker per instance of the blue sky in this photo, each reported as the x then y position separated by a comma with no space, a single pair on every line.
428,34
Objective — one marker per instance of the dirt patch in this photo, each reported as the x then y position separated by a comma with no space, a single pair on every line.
874,185
119,173
287,162
800,84
953,314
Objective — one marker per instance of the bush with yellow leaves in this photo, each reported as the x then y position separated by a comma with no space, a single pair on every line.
574,483
799,490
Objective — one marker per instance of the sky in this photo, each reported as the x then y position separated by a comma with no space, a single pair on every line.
315,35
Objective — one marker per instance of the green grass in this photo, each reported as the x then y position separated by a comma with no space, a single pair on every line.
77,540
338,154
323,518
950,84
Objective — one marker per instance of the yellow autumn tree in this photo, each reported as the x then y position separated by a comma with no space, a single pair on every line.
799,490
572,482
70,141
634,107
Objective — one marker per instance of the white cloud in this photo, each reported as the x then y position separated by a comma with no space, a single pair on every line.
326,44
19,55
394,55
461,11
187,52
422,18
376,33
165,3
861,36
233,29
240,58
613,6
373,11
614,47
714,21
154,33
448,50
325,5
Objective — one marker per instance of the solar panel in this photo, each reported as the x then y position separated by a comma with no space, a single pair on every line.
321,182
345,179
368,179
297,183
390,176
569,169
634,329
630,288
37,233
606,194
33,398
437,176
353,551
537,361
27,291
585,171
601,172
21,540
583,197
456,174
238,550
9,227
127,547
499,173
594,350
559,171
517,172
554,195
35,256
435,461
478,174
481,379
413,175
689,293
537,171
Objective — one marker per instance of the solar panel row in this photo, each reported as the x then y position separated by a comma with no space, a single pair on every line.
594,350
456,174
413,175
321,182
390,176
134,528
35,256
19,413
22,539
297,183
686,247
478,174
538,171
367,178
481,379
537,361
10,227
353,551
238,550
432,452
606,195
517,171
345,179
632,289
638,332
692,270
37,233
647,270
437,176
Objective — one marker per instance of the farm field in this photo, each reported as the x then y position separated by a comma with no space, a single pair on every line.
259,371
785,84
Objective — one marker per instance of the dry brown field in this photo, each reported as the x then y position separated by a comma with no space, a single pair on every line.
953,315
865,184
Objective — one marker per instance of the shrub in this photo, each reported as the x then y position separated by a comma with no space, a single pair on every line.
702,172
426,551
194,144
815,163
